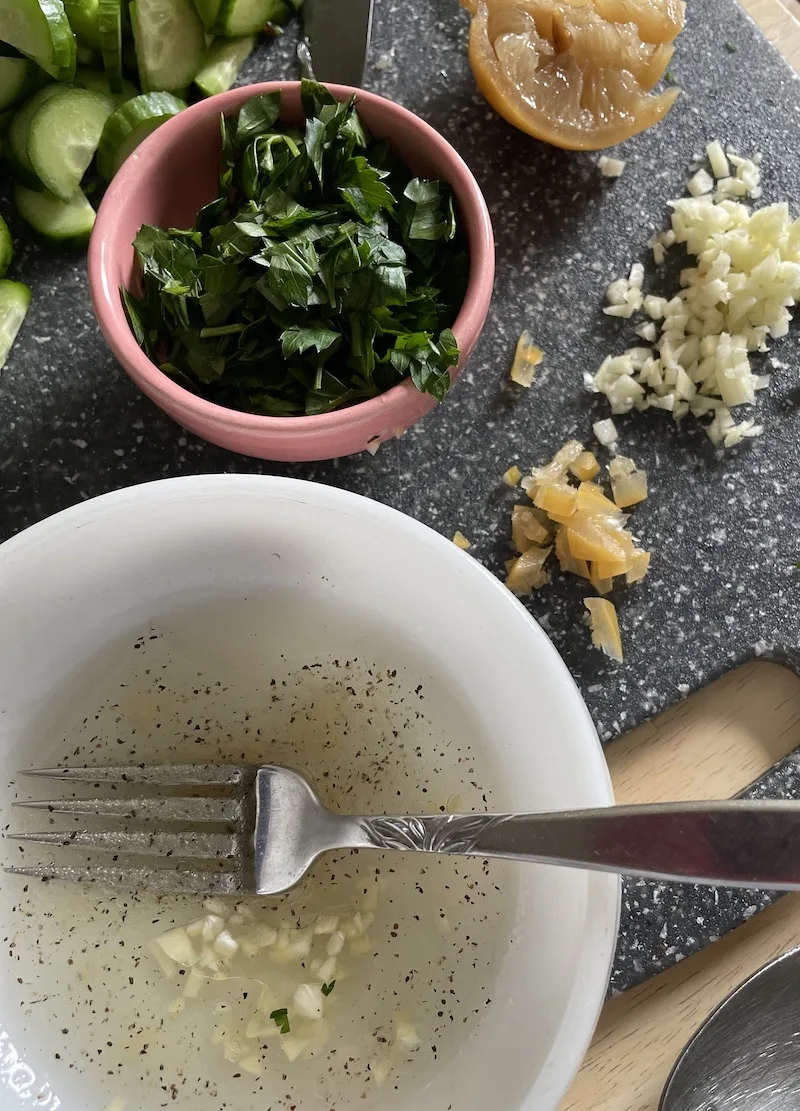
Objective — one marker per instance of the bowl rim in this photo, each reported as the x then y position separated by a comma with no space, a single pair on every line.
599,933
113,321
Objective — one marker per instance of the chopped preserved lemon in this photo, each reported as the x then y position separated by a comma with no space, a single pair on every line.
527,357
585,467
527,572
460,541
605,626
565,558
593,538
527,528
592,500
584,528
602,585
605,569
575,73
557,499
628,483
640,564
512,476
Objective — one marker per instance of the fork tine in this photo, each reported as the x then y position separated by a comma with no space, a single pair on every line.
148,809
193,845
162,775
159,880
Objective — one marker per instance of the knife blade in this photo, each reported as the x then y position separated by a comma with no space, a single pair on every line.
338,33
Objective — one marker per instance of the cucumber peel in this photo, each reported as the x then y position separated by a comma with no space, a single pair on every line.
15,299
40,30
109,21
6,247
82,16
132,122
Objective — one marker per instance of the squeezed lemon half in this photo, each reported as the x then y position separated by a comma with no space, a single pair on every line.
575,73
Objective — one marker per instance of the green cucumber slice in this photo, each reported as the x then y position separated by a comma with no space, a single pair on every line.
170,43
224,60
40,30
109,21
18,130
6,247
57,223
16,78
63,137
247,17
207,10
132,122
15,299
97,82
82,16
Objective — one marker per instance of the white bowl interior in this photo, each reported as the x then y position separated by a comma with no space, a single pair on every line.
249,577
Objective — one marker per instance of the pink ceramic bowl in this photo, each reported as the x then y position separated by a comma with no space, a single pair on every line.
174,173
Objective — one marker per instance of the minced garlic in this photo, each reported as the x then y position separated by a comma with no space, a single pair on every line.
731,302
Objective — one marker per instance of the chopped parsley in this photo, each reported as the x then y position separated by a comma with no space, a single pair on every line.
281,1020
328,988
323,273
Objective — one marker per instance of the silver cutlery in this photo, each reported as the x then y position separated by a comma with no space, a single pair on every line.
746,1055
224,828
337,33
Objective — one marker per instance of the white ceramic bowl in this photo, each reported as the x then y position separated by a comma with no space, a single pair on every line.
347,576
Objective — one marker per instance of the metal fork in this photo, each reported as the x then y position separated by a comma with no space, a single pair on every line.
259,830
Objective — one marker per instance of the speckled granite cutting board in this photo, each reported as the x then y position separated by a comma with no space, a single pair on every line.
724,530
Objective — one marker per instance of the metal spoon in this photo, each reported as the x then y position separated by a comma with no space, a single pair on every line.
746,1055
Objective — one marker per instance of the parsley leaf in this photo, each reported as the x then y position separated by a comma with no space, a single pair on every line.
323,273
328,988
281,1020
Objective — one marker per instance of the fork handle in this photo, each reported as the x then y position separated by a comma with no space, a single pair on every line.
736,843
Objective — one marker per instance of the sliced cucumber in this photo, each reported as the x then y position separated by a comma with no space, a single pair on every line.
64,135
83,20
88,57
6,247
97,82
16,78
109,17
40,29
170,43
130,125
246,17
57,223
15,300
224,60
207,10
18,130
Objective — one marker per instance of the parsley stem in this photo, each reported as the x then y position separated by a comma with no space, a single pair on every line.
222,330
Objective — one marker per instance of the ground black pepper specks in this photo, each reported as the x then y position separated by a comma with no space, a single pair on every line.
369,733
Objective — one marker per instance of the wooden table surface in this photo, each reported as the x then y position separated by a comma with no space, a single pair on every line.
710,746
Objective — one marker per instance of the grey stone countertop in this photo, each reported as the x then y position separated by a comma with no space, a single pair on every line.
723,529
